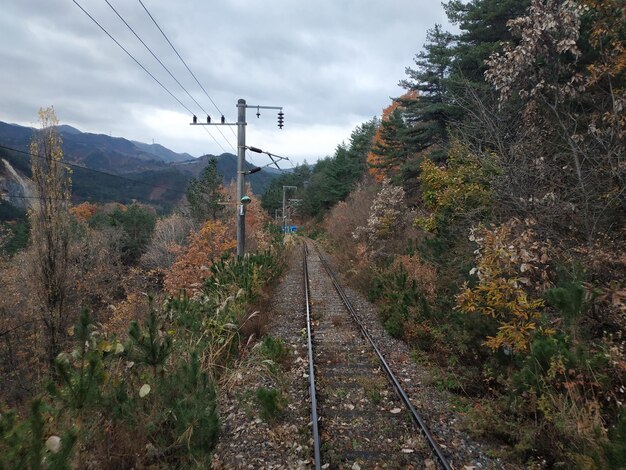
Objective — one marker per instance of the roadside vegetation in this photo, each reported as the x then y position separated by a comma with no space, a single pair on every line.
117,325
484,214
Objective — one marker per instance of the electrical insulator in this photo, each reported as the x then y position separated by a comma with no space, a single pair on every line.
208,119
195,119
280,119
223,119
258,112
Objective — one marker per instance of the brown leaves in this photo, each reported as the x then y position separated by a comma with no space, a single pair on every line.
85,211
551,29
192,266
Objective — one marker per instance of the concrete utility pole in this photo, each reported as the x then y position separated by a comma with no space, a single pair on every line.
242,199
241,158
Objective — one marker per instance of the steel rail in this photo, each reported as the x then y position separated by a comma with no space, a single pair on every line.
390,375
312,392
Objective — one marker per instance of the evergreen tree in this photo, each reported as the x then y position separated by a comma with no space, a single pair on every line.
429,110
205,193
389,150
483,25
334,177
272,198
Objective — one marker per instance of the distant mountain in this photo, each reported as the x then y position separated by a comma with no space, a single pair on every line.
98,151
125,170
164,153
227,167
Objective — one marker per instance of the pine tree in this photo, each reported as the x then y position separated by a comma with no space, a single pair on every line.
483,25
430,110
205,193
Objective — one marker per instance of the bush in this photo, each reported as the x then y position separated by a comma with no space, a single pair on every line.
23,444
274,349
271,403
400,299
188,417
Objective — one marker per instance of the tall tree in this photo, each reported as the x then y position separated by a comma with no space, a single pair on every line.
205,193
389,150
483,25
569,86
50,230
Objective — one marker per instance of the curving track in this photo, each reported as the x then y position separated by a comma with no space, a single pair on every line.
360,413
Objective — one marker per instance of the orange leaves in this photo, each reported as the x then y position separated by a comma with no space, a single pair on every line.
192,266
85,211
378,167
257,238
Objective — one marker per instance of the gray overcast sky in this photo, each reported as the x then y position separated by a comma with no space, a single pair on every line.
332,64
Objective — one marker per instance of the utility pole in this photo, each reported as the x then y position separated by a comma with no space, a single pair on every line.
242,199
284,213
241,158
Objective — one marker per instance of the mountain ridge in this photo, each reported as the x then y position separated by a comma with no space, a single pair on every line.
151,173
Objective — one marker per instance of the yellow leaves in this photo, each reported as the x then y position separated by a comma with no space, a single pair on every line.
511,265
459,187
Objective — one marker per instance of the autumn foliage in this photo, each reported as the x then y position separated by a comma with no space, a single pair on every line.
512,270
192,265
379,167
84,211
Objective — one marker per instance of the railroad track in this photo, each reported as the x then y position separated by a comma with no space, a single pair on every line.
360,413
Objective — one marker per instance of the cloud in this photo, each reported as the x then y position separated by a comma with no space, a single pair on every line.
332,65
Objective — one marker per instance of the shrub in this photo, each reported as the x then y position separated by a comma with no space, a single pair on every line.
193,264
511,266
274,349
188,417
401,300
23,444
271,403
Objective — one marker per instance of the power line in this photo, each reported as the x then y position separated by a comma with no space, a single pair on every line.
140,65
166,69
73,165
184,63
131,56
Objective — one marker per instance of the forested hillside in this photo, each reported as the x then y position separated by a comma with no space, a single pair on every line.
485,214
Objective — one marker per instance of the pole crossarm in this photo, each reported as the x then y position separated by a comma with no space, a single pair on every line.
263,107
215,124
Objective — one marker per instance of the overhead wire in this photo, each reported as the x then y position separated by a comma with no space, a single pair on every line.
169,72
193,75
160,62
184,63
141,65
